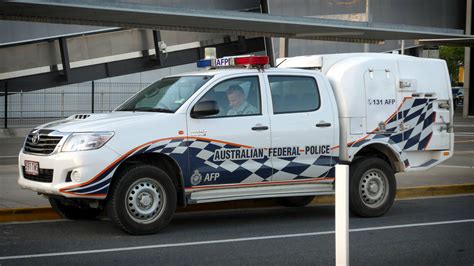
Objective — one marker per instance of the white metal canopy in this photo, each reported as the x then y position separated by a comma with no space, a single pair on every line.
207,20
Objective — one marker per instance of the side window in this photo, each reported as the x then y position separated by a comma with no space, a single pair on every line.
293,94
236,97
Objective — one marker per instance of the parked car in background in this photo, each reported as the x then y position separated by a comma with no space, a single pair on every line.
458,96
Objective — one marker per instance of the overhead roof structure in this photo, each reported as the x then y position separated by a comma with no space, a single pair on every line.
462,42
143,16
68,59
126,15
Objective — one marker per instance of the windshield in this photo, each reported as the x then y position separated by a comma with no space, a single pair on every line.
165,95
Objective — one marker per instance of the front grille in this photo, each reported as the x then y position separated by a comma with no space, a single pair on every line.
45,175
45,144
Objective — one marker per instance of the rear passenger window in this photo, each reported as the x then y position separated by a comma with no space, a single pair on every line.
292,94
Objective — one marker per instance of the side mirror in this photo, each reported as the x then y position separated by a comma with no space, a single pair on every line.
205,108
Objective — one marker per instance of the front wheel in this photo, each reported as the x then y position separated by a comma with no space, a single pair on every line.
142,200
372,187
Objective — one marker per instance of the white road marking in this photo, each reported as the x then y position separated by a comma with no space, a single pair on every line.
410,225
231,240
454,166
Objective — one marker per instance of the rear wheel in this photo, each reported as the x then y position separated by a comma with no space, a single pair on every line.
295,201
69,210
142,200
372,187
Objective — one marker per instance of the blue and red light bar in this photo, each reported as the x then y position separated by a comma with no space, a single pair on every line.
251,60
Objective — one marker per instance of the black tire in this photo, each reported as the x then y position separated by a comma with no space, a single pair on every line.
142,200
372,187
72,211
300,201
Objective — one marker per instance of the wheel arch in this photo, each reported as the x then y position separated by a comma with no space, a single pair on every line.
164,162
382,151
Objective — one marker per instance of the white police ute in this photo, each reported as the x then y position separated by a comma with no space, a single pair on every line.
231,133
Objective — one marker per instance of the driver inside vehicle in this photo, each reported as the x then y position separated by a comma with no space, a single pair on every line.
238,103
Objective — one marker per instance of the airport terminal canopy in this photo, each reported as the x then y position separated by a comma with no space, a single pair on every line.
128,15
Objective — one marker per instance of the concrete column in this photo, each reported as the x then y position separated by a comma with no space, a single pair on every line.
283,50
369,22
468,109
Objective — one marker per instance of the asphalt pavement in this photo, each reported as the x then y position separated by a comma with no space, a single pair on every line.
430,231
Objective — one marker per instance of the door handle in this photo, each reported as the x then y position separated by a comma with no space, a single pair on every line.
259,128
323,124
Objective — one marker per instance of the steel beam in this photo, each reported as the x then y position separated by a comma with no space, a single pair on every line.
156,42
124,67
92,96
64,57
268,41
5,116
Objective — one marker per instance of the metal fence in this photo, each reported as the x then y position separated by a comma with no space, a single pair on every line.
28,109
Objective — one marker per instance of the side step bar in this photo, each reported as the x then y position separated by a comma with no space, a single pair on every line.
259,192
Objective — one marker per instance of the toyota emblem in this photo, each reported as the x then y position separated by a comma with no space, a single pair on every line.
35,139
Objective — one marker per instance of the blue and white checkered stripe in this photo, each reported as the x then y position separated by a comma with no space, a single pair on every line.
417,117
201,153
197,154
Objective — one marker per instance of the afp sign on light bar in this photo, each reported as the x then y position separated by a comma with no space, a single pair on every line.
225,61
251,60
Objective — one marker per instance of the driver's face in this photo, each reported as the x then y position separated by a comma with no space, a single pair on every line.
235,99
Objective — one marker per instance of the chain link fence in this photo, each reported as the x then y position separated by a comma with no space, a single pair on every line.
28,109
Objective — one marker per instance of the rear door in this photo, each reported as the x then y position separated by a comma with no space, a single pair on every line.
303,128
424,121
382,103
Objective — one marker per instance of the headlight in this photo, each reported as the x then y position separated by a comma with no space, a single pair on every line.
86,141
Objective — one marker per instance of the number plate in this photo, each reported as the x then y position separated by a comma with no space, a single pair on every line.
32,168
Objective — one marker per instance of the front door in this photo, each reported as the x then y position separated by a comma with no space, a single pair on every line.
303,129
230,149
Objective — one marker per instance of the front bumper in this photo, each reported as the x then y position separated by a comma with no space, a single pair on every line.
88,163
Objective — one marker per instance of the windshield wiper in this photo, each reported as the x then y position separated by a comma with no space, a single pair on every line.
148,109
162,110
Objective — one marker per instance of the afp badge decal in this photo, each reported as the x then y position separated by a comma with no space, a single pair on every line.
196,178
